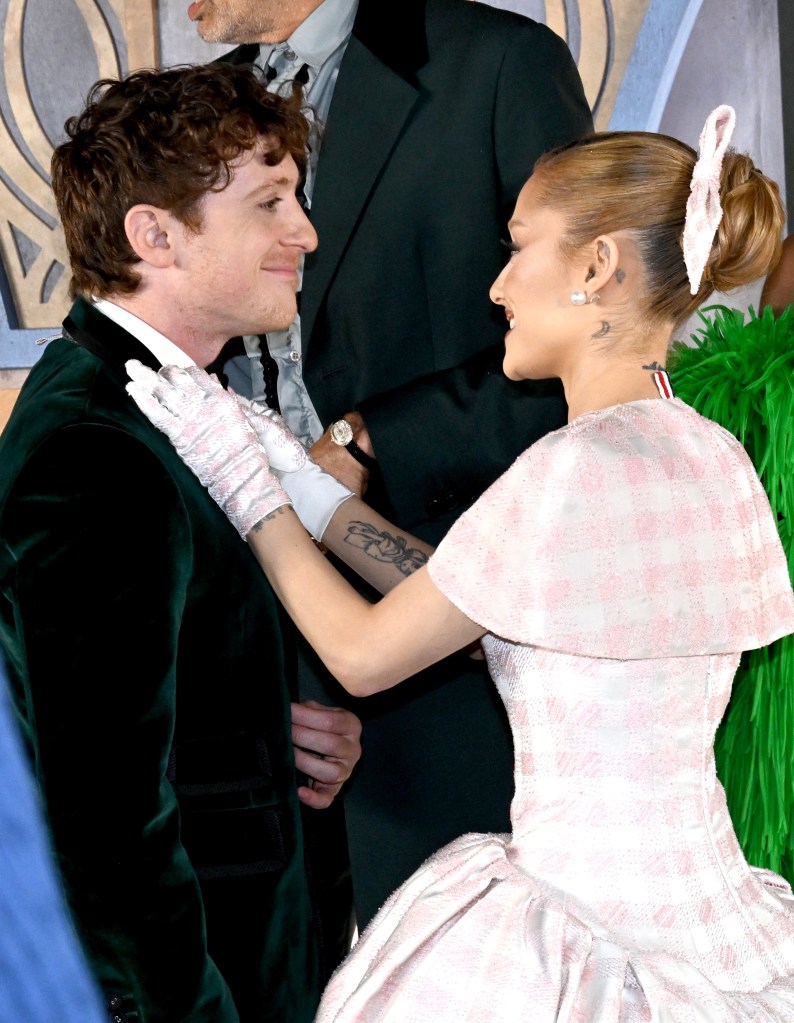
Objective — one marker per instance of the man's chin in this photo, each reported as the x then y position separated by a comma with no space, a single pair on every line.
274,325
206,34
210,33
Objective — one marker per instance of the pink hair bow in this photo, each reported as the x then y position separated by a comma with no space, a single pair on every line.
703,209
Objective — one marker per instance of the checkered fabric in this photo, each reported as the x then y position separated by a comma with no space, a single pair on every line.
640,530
622,895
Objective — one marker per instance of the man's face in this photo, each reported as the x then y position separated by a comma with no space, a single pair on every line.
239,273
249,21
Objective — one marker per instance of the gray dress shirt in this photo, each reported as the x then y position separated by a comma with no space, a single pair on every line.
313,52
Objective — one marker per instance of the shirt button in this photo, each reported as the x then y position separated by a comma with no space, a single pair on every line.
294,356
290,54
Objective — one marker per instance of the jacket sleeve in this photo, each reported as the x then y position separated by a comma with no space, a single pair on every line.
442,439
103,558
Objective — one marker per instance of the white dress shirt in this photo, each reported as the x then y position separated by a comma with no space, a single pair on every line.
165,351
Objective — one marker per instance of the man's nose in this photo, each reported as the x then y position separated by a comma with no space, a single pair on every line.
305,234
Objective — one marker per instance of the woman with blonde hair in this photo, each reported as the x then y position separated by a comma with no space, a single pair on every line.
614,574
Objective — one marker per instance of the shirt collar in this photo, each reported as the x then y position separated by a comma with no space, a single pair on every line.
165,351
323,32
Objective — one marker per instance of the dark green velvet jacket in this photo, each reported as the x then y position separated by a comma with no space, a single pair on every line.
149,676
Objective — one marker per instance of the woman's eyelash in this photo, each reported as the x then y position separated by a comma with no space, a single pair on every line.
511,247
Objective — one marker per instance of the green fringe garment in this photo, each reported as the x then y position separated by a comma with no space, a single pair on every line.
740,373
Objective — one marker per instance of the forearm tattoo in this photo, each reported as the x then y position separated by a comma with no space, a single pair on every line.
282,508
384,547
654,367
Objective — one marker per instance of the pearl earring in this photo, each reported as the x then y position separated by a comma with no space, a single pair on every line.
580,298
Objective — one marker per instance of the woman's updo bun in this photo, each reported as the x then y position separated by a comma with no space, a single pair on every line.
750,232
640,182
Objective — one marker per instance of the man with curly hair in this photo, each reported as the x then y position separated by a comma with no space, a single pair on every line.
151,677
433,113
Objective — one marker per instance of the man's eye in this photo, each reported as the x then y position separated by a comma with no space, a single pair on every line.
270,204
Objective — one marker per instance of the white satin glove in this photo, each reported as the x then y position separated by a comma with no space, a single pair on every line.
315,493
211,434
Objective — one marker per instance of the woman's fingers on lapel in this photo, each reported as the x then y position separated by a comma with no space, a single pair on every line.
157,413
138,372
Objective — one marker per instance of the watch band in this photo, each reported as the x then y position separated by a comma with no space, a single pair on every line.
361,456
341,433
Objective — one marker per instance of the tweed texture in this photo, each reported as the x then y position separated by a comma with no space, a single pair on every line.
621,893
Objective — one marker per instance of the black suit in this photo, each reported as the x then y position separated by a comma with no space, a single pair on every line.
439,112
148,671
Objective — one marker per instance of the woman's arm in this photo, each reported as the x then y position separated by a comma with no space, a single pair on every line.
373,547
367,647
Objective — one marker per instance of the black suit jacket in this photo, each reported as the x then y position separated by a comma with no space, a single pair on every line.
145,651
439,113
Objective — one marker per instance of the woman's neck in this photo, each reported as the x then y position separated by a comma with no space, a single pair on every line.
601,381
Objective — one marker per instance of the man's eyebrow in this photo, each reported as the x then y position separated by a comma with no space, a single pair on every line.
268,186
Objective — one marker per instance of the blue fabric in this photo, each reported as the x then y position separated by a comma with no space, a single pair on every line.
43,976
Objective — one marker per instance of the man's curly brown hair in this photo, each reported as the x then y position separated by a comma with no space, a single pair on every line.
164,138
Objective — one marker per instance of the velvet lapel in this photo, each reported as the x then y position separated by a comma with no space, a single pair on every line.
373,97
90,329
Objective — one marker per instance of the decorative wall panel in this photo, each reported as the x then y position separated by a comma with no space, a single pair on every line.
650,64
51,55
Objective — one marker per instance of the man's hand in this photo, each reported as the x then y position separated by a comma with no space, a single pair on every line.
339,462
327,744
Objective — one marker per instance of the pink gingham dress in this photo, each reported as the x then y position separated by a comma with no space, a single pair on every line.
620,566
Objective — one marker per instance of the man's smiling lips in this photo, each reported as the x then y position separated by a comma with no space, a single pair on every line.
288,272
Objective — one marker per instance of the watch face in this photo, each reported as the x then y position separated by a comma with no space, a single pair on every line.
341,432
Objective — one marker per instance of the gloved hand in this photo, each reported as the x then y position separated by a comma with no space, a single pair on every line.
314,493
211,434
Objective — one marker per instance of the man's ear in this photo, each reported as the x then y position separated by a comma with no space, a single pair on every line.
152,233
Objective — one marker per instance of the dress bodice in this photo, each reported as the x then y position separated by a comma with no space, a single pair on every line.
621,564
618,812
618,568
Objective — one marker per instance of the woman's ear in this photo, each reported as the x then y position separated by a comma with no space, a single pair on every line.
595,266
605,261
151,233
